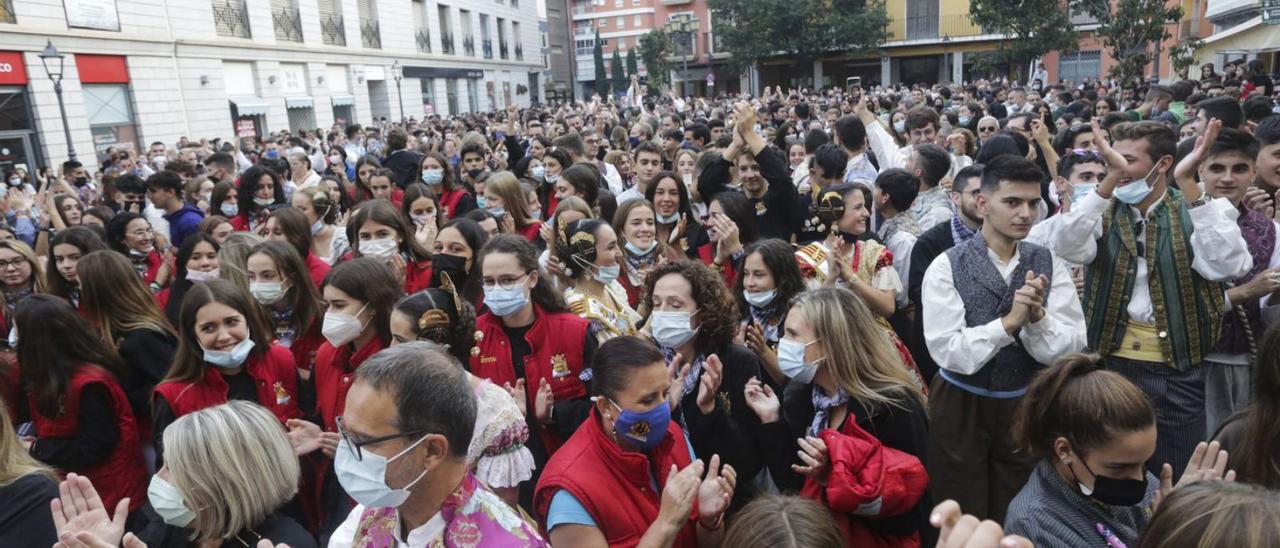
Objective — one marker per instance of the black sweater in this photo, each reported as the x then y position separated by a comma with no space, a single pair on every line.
147,355
24,517
779,213
729,430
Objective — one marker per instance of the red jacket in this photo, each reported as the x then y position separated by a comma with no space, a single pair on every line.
417,276
728,271
614,485
273,374
531,231
318,269
154,260
556,347
306,346
334,372
868,480
123,473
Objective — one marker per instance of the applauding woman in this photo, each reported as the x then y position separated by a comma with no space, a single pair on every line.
629,475
770,280
677,221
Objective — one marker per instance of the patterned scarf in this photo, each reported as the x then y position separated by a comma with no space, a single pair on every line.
695,368
285,331
902,222
959,232
763,317
823,404
141,264
12,298
642,263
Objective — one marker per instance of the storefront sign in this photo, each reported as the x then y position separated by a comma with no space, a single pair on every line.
245,128
102,69
92,14
1271,12
437,72
13,71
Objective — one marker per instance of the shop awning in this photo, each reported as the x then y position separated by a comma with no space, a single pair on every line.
1251,36
343,100
299,102
249,105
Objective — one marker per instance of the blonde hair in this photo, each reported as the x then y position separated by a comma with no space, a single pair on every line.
859,355
233,463
38,283
573,203
233,256
15,461
1213,513
506,186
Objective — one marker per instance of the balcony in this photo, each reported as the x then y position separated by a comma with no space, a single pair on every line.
423,38
332,31
469,46
488,48
231,18
446,43
288,24
370,35
933,27
502,50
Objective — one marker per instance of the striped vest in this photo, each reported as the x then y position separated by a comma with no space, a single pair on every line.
1187,306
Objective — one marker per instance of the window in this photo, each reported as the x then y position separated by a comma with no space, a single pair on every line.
473,95
231,18
110,115
622,21
1079,65
639,20
451,87
446,31
422,35
428,96
331,29
370,34
604,23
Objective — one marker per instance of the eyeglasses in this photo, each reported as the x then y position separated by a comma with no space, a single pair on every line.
987,129
505,283
15,264
355,446
142,233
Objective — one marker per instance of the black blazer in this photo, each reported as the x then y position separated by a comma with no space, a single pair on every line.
933,242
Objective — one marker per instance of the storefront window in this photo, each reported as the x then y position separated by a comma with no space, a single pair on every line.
428,95
451,86
13,111
473,95
110,117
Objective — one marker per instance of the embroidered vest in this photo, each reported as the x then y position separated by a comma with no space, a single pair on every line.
1243,324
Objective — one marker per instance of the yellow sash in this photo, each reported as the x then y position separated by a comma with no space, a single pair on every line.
1141,342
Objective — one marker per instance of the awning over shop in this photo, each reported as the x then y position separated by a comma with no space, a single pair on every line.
1251,36
249,105
299,102
343,100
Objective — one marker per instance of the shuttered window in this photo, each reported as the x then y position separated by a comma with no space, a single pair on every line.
331,26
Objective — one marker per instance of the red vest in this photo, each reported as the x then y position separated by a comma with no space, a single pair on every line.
531,231
334,372
273,374
239,223
123,473
417,276
707,252
317,268
154,260
307,345
556,347
614,485
634,292
10,383
449,199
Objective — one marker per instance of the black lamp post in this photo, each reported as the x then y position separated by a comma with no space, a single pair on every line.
49,54
397,72
687,28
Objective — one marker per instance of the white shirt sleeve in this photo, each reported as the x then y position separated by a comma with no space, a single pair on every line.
614,179
934,217
1062,330
883,145
1077,236
345,534
953,345
1221,254
900,246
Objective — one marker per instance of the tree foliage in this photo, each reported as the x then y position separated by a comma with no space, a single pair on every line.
632,68
751,30
1129,30
602,78
615,71
655,47
1183,55
1031,28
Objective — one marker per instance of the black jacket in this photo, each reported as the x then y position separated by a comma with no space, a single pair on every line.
779,213
933,242
24,517
404,165
730,429
148,354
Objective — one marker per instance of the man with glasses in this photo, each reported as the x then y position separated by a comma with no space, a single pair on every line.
988,126
407,424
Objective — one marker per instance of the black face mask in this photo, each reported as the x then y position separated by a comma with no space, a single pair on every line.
1112,491
81,181
453,265
474,173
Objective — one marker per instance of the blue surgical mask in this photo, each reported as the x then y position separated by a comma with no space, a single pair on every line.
671,329
900,126
505,302
480,202
964,120
497,211
668,219
551,178
433,176
167,501
644,430
759,299
229,359
607,274
1078,192
1136,191
230,210
634,250
365,480
791,361
538,172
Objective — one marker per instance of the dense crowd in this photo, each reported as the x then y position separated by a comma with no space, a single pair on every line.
894,316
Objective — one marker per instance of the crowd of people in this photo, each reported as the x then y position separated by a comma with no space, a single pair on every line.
963,315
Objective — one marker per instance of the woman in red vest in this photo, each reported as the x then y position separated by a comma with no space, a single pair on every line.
278,281
629,475
290,226
83,422
854,417
130,234
197,262
505,199
382,186
456,248
260,188
455,199
378,230
224,353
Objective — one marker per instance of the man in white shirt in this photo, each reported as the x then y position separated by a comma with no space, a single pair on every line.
1156,260
894,192
998,310
647,158
409,418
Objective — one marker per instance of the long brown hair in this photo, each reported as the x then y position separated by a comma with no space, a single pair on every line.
385,213
506,186
54,342
188,363
15,461
302,296
1078,400
1214,513
297,230
86,240
114,299
1257,460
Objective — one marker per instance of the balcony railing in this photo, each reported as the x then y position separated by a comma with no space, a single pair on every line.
446,43
231,18
6,12
288,24
519,53
488,49
932,27
469,46
423,38
370,35
502,50
332,31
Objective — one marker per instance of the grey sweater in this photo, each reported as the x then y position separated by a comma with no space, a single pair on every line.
1053,514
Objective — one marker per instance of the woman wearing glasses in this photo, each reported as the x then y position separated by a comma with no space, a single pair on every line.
528,341
131,235
225,352
20,274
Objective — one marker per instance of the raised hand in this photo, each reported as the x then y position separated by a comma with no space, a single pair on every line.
966,531
813,453
762,400
1185,172
709,384
715,491
79,515
426,234
1207,462
517,393
677,370
304,436
543,402
398,268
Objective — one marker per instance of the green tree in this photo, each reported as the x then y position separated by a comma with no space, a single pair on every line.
655,47
1129,30
615,70
632,69
1031,28
751,30
1182,56
602,78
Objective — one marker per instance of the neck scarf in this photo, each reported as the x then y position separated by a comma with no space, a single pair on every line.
822,405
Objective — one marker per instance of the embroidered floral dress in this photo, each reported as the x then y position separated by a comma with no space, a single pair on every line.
472,516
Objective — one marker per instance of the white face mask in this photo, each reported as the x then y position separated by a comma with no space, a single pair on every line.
382,248
229,359
202,276
671,329
759,299
167,502
264,202
365,480
13,337
267,293
340,329
791,361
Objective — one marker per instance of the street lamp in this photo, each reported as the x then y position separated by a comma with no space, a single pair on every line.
687,28
397,72
55,74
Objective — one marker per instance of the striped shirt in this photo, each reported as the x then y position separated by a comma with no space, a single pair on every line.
1053,514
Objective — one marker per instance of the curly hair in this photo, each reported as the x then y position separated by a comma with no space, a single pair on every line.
716,310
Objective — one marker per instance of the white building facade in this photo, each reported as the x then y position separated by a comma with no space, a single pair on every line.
140,71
